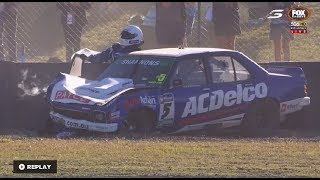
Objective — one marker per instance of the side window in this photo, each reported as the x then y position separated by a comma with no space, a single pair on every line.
221,68
191,72
242,73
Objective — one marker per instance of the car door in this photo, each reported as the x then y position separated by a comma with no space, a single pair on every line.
232,87
183,100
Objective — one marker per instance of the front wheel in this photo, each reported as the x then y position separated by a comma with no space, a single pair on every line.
261,119
141,122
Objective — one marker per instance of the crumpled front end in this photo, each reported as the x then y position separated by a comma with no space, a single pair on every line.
89,105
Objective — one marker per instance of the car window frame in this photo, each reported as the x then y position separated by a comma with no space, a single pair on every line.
185,58
251,77
206,59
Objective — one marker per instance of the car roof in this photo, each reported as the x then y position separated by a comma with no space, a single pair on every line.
177,52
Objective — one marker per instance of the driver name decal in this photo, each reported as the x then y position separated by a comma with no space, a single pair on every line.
142,62
219,98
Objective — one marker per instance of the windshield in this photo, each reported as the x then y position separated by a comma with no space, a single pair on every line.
149,71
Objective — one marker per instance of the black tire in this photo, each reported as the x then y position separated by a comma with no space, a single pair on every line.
261,119
141,122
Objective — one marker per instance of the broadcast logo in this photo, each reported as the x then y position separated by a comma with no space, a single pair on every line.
276,13
298,27
298,13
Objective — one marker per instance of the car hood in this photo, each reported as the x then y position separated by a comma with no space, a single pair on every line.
73,89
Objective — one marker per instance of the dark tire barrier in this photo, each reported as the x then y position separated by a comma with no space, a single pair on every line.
22,90
22,87
6,95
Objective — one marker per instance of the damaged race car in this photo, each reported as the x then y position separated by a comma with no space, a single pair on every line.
175,90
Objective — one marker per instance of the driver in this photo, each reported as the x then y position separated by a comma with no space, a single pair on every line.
131,40
226,75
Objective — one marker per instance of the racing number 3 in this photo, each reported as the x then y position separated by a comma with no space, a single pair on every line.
166,110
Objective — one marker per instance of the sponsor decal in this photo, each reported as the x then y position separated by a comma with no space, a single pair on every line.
68,95
166,98
148,100
289,107
131,102
76,125
166,115
219,98
292,106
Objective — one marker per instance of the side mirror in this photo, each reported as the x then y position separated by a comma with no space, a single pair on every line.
177,83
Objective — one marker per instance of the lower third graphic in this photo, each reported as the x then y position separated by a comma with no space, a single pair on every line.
35,166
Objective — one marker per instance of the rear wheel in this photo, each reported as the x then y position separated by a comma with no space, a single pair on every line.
261,119
296,120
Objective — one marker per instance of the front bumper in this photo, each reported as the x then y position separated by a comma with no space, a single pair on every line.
83,124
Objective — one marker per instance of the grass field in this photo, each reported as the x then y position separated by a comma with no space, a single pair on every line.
166,156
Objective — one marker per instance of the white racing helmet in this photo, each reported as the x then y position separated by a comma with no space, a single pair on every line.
131,35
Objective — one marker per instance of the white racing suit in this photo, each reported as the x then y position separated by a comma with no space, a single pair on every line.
110,54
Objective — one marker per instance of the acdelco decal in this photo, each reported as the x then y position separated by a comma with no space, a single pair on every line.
298,13
68,95
220,98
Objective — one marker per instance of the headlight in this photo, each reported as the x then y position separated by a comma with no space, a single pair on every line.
100,116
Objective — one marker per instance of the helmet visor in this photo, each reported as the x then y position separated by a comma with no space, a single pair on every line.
127,35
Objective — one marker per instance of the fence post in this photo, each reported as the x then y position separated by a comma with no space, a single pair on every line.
199,24
23,56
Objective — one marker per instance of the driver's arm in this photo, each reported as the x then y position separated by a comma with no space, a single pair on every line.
101,57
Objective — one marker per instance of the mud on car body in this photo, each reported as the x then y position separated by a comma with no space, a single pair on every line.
176,90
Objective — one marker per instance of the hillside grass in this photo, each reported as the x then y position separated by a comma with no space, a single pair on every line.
166,157
305,47
253,42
